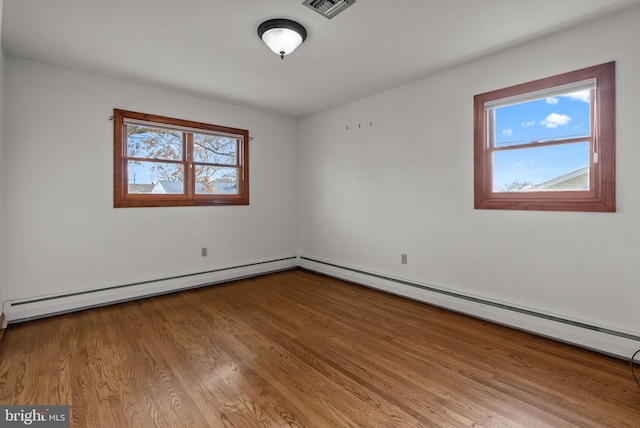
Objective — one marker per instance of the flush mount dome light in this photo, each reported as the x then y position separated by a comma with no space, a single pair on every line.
281,35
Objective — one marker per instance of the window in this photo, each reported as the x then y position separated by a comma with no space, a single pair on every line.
164,162
548,144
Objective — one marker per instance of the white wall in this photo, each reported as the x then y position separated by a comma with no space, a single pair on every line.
2,169
400,180
64,234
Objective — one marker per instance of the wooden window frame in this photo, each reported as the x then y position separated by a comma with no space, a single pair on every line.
124,199
601,195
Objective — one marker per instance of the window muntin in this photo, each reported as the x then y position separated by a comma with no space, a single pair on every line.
548,144
161,161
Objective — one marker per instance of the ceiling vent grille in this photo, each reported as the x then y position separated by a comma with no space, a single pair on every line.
328,8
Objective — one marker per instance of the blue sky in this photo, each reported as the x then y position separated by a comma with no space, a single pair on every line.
552,118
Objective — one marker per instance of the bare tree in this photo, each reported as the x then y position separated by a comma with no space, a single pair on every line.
516,186
152,146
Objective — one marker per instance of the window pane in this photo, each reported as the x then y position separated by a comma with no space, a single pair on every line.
218,180
547,119
547,168
215,149
154,143
155,177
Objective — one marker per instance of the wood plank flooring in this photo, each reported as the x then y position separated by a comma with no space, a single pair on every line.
296,349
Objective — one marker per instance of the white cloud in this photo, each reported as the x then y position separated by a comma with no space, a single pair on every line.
507,132
580,95
552,100
527,124
554,120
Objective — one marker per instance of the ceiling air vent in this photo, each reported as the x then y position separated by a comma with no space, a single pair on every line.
328,8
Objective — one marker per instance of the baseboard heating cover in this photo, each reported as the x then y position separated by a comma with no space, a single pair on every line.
609,341
28,309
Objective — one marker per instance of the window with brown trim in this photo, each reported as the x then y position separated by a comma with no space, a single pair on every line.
165,162
548,144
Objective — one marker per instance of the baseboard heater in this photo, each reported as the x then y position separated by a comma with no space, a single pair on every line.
38,307
609,341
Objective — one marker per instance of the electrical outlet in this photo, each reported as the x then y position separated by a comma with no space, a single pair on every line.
403,259
203,252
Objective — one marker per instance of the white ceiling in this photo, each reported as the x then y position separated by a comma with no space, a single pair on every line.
210,48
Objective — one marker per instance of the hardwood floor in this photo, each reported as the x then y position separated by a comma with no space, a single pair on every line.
299,349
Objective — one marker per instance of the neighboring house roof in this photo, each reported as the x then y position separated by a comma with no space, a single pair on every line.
168,187
574,180
226,188
176,187
140,188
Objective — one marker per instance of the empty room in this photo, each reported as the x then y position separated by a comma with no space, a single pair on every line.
321,213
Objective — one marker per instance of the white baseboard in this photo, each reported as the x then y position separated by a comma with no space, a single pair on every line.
581,333
43,306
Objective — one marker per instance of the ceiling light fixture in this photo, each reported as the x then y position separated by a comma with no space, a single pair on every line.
282,36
